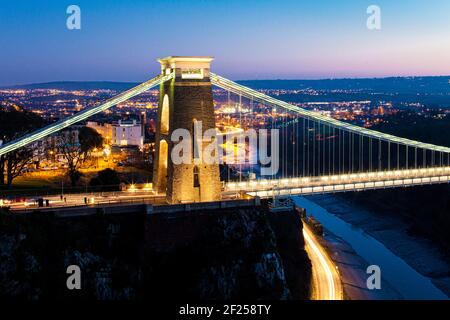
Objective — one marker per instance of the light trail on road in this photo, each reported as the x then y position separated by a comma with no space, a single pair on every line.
326,281
78,200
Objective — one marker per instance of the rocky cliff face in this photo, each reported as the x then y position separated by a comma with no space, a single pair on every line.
205,255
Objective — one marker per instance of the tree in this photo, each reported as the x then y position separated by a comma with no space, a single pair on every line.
14,124
15,163
106,178
76,147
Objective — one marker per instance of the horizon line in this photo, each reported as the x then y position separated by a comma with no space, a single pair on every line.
5,86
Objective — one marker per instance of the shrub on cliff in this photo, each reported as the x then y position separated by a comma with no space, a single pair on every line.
107,178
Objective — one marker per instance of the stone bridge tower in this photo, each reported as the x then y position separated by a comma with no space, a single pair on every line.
184,100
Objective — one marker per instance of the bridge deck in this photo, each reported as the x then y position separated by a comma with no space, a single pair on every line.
341,183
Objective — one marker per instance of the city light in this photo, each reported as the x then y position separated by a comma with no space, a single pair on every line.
148,187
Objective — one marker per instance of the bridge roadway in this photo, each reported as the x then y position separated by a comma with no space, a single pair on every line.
267,188
326,282
89,199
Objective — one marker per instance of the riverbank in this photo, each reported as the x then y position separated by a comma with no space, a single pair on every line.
352,270
391,231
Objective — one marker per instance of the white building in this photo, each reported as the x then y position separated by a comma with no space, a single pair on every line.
127,133
122,133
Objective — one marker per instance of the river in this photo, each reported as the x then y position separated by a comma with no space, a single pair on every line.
409,283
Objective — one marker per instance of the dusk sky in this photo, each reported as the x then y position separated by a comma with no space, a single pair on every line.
250,39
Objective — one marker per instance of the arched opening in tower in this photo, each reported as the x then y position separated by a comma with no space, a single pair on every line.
163,157
165,115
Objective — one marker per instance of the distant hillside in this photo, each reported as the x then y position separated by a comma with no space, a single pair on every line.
386,85
79,85
402,85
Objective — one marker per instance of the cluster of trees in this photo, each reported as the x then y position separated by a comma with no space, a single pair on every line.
14,124
107,179
430,129
76,149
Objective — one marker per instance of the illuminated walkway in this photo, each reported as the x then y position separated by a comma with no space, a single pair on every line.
267,188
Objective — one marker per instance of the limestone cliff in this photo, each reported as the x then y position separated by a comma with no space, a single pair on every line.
236,253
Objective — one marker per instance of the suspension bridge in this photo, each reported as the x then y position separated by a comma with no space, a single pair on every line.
318,154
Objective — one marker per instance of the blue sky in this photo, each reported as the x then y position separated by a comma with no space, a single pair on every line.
250,39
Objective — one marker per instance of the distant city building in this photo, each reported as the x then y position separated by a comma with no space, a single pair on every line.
48,148
128,133
103,129
144,118
122,133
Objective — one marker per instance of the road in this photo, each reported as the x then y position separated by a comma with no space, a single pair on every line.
75,200
326,282
96,198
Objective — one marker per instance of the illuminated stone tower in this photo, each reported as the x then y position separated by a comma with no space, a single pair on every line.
183,101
